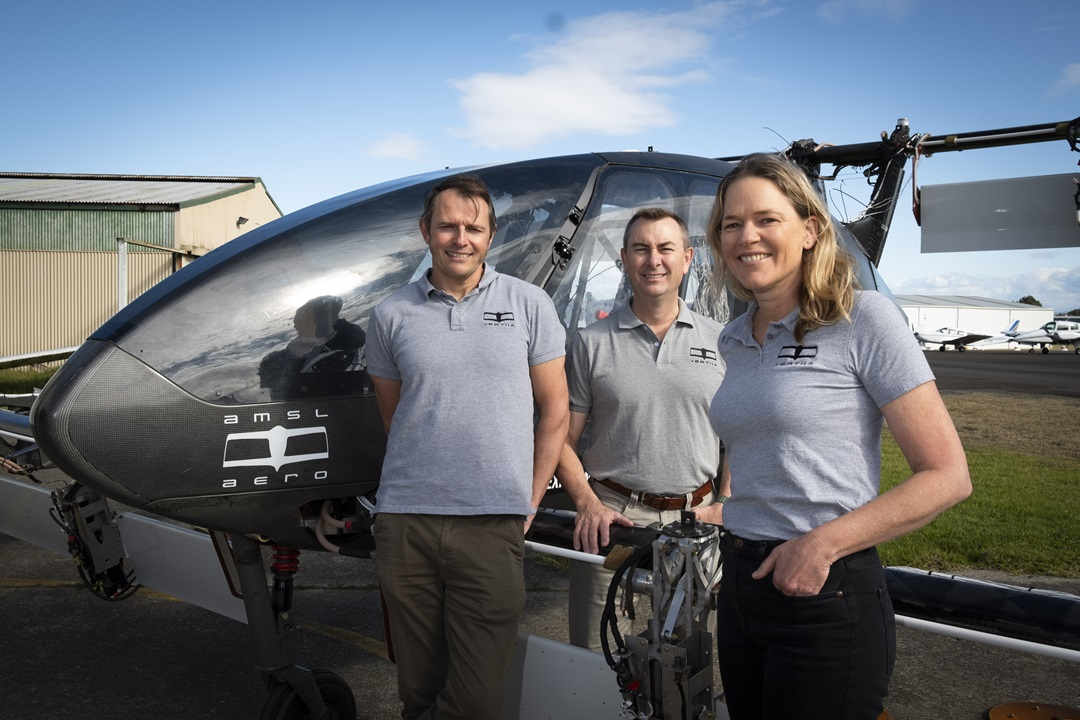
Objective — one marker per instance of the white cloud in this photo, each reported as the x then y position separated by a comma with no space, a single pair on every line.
397,145
604,74
1070,78
1057,288
843,10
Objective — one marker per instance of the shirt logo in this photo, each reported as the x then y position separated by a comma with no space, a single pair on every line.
503,319
703,356
797,355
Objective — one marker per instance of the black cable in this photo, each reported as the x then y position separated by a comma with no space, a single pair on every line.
682,692
608,620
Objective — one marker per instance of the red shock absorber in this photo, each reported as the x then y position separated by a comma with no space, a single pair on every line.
286,563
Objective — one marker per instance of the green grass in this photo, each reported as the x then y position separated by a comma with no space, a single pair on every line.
1023,517
21,380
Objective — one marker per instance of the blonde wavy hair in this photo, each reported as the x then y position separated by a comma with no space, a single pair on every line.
827,290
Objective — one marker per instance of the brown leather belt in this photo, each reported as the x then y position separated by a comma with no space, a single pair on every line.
659,502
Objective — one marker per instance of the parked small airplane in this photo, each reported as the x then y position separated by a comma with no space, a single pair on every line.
960,339
1055,332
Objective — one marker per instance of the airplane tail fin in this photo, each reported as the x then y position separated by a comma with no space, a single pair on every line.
1011,330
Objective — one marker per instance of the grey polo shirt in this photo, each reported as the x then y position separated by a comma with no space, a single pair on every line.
802,421
461,439
647,401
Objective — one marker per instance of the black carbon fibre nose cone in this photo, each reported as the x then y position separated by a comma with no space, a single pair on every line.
110,421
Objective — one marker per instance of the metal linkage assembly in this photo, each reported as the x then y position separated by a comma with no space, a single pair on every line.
94,541
667,671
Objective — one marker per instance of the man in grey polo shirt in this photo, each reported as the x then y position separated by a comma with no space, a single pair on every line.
642,378
457,359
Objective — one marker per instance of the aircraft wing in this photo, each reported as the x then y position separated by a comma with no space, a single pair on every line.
969,338
36,357
1033,339
942,339
994,340
166,556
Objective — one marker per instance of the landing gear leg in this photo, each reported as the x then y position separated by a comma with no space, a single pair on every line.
296,693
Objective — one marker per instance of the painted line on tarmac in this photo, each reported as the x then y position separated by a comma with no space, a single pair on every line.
24,583
42,583
368,644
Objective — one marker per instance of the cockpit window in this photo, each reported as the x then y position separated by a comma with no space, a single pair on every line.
593,283
300,300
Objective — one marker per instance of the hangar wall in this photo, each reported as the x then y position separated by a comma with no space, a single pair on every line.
60,297
207,225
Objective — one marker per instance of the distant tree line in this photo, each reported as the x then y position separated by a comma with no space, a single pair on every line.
1030,300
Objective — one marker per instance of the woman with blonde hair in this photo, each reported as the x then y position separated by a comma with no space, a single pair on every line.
805,624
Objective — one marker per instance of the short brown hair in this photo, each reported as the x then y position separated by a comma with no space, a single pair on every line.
652,214
470,187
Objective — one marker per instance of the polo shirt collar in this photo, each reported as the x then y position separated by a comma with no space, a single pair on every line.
424,283
685,316
742,327
627,319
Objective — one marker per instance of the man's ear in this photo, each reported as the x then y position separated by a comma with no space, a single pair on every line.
425,232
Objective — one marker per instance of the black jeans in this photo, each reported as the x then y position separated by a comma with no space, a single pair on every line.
825,656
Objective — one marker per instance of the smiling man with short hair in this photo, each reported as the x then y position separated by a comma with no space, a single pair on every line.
642,378
459,360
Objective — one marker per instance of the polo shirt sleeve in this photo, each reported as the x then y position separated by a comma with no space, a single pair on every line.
380,357
547,338
577,376
886,357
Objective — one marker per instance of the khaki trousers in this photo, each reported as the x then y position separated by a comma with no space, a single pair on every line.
454,591
589,583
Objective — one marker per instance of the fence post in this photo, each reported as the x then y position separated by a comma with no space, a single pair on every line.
121,273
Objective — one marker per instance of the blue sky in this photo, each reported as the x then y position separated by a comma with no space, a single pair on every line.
321,101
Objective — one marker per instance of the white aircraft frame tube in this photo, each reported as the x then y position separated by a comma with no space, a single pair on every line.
1051,651
564,553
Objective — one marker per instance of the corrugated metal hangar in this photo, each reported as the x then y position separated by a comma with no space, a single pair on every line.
59,249
971,314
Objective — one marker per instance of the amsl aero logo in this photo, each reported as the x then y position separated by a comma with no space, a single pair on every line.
703,356
499,319
275,447
797,355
